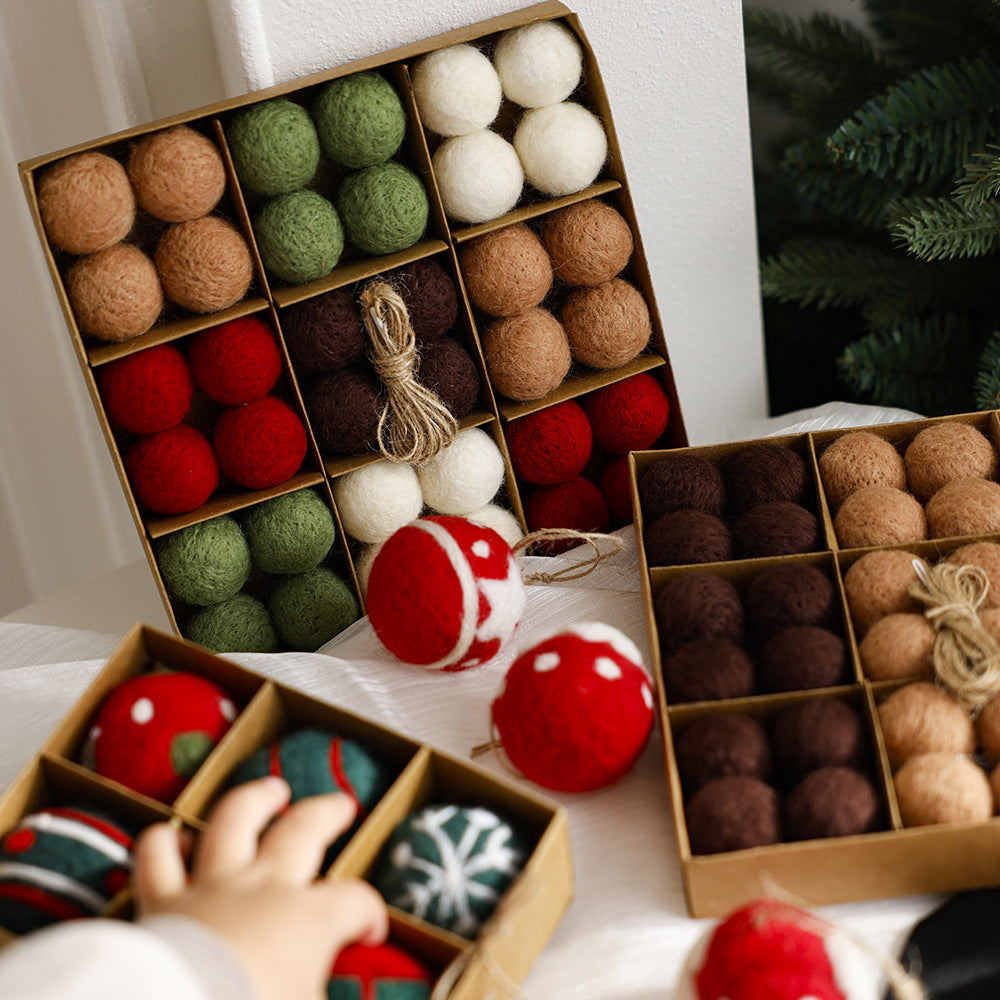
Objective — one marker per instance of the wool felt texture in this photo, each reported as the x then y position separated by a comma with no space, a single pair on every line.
717,746
241,624
576,503
804,656
687,536
153,731
616,488
445,593
382,972
479,176
86,203
878,584
880,515
815,733
449,864
922,718
708,670
942,787
448,370
857,459
964,507
589,242
363,565
236,362
383,208
300,236
274,146
538,63
550,445
204,563
376,500
988,730
562,147
261,444
947,451
507,271
457,90
764,473
575,709
789,594
359,119
501,520
465,475
310,608
428,291
177,174
173,471
325,333
527,356
115,293
608,325
780,528
344,409
146,392
204,265
898,646
985,555
290,533
831,802
733,813
698,606
680,482
629,415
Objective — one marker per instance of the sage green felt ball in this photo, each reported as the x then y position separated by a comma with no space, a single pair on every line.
291,533
299,236
360,120
383,208
274,146
240,625
205,563
311,608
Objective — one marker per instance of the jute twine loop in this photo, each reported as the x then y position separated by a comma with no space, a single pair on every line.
415,425
575,570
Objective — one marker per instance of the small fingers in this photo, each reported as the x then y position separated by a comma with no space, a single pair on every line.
158,869
352,910
292,850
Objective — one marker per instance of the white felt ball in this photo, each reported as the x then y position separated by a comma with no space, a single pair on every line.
502,521
538,63
377,499
465,476
562,147
479,176
363,564
457,90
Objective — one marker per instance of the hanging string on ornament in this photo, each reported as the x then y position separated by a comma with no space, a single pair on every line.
574,570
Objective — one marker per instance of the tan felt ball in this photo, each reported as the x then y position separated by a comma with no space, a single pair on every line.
878,584
947,451
943,788
964,507
985,555
990,617
589,242
115,293
922,718
988,730
995,785
607,325
177,174
507,271
879,515
897,646
204,264
86,203
528,355
857,459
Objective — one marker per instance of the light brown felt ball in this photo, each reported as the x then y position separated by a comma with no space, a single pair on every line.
922,718
879,515
878,584
897,646
985,555
988,730
506,272
990,617
995,785
86,203
857,459
115,293
589,242
947,451
964,507
527,356
943,788
607,325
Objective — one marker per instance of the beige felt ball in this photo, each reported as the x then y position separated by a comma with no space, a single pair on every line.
527,356
589,242
964,507
607,325
988,730
985,555
943,788
995,786
897,646
923,718
507,271
115,293
946,451
990,618
878,584
857,459
879,515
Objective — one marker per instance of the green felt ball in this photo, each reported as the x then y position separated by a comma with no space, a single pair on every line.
383,208
274,146
205,563
240,625
299,236
291,533
360,120
311,608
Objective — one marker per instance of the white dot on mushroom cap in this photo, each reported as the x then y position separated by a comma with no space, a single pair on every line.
142,711
647,696
227,708
545,662
95,733
607,668
481,548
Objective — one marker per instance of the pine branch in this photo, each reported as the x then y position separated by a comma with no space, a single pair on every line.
987,386
930,31
943,229
982,176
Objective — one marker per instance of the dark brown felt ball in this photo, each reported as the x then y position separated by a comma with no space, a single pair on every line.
831,802
589,242
805,656
447,369
716,746
878,584
856,459
779,528
698,606
681,482
607,325
985,555
947,451
964,507
708,670
786,595
687,536
507,271
879,515
733,813
764,473
325,333
818,732
344,408
527,356
430,297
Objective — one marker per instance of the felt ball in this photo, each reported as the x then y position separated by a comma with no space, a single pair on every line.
501,520
173,471
300,236
698,606
562,147
804,656
177,174
447,369
378,970
376,500
241,624
607,325
681,481
465,475
589,242
384,208
363,565
985,555
616,488
204,563
61,863
789,594
86,203
457,90
708,670
359,119
308,609
629,415
538,64
897,646
450,864
506,272
816,733
261,444
780,528
204,265
527,356
236,362
115,293
878,584
687,536
731,814
576,503
575,709
344,408
764,473
964,507
290,533
146,392
831,802
153,731
445,593
947,451
857,459
325,333
717,746
428,291
942,787
879,515
921,718
988,730
550,445
274,146
479,176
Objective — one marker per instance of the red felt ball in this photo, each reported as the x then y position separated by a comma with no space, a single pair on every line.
236,362
616,489
172,472
629,415
261,444
146,392
576,503
359,969
445,593
550,445
576,709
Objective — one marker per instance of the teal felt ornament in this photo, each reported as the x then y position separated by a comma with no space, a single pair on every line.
290,533
274,146
383,208
299,236
240,625
206,563
311,608
360,120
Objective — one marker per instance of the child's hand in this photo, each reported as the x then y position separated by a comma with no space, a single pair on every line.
260,891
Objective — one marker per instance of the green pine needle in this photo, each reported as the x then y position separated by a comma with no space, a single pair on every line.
943,229
987,387
982,176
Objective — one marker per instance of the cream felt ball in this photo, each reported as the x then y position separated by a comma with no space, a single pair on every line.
947,451
501,520
479,176
204,563
360,120
538,63
943,788
299,235
921,718
607,325
562,148
527,356
465,475
363,564
274,146
384,208
377,499
457,90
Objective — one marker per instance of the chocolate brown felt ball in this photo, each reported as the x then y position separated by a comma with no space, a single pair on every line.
985,555
818,732
831,802
921,718
988,730
589,242
607,325
708,670
780,528
681,481
944,452
964,507
697,606
731,814
878,584
447,369
527,356
764,473
431,299
344,408
507,271
687,536
716,746
898,646
942,788
786,595
804,656
325,333
879,515
857,459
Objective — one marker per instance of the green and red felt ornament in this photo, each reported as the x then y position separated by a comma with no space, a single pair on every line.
378,972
